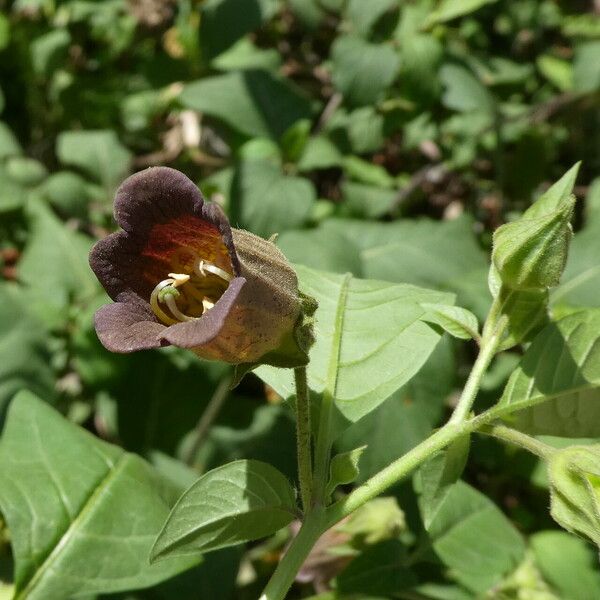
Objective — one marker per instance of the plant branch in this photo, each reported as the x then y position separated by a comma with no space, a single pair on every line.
208,416
303,437
520,439
294,557
493,330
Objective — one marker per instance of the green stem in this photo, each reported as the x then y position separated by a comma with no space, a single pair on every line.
520,439
490,341
393,473
208,416
294,558
303,437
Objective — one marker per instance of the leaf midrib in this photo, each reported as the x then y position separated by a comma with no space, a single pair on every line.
66,537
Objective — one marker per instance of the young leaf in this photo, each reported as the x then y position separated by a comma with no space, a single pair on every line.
458,322
241,501
82,514
364,330
343,468
557,382
437,476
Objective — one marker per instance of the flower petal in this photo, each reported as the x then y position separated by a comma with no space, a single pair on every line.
127,327
167,227
215,334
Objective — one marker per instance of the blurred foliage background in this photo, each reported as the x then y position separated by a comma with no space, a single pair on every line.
387,138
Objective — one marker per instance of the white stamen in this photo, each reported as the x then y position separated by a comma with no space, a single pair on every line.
207,304
172,304
155,305
206,266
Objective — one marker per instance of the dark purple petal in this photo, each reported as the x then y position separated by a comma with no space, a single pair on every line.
166,224
127,327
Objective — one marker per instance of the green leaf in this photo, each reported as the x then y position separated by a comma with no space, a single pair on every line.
438,475
9,145
319,249
236,503
464,92
12,195
49,51
362,71
269,201
559,555
446,10
557,71
363,328
377,571
436,254
367,201
98,153
252,102
364,15
343,469
319,153
82,514
474,539
580,283
407,417
54,264
574,475
27,172
223,22
70,193
586,67
557,380
457,321
25,357
245,55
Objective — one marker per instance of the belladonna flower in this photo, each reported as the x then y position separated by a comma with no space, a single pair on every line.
180,275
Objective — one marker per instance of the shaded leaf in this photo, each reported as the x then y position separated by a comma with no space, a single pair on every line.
238,502
457,321
558,378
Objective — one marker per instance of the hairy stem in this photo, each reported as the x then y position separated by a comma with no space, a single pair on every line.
492,336
208,416
295,555
303,437
520,439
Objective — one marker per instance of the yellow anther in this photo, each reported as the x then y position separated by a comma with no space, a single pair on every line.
179,279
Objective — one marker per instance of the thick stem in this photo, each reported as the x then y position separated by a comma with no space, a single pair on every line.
296,554
208,416
520,439
303,437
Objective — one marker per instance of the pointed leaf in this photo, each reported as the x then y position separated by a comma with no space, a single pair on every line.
558,380
82,514
241,501
370,340
458,322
